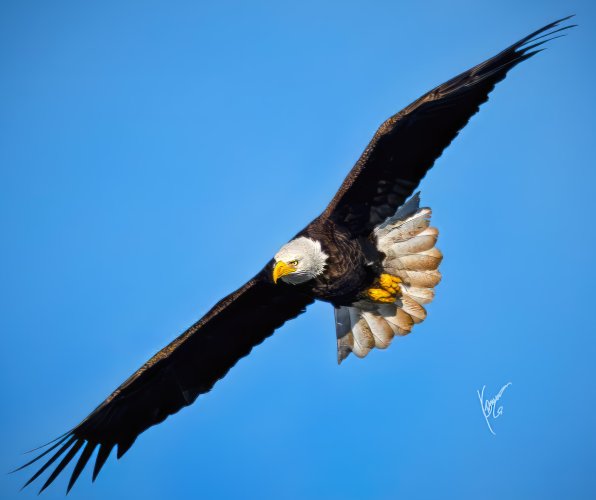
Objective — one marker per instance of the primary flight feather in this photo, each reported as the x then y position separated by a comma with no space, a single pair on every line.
371,254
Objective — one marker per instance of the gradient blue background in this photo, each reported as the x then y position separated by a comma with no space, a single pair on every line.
154,155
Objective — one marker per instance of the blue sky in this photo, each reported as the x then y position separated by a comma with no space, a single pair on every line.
154,155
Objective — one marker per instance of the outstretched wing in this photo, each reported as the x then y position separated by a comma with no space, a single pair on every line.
406,146
178,374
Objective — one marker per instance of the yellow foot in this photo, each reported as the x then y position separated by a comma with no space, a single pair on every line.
385,290
390,283
380,295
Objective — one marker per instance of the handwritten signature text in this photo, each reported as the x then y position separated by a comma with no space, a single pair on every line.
490,410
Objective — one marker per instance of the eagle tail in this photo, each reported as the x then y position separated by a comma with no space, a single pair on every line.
407,241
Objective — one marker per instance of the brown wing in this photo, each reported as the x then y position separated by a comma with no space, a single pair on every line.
178,374
406,146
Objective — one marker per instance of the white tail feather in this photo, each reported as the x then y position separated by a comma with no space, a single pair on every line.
408,242
364,340
381,331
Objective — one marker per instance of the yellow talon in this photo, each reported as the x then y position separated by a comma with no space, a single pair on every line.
386,289
380,295
390,283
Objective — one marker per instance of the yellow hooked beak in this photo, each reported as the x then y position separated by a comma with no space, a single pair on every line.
281,269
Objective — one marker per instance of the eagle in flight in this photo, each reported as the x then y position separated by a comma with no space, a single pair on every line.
371,254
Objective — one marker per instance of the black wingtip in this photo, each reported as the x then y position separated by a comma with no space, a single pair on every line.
82,462
545,31
538,44
522,50
40,455
564,19
100,460
71,445
52,459
534,41
124,446
63,463
48,443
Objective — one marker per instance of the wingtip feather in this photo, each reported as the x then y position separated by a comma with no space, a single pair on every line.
55,456
54,446
100,460
63,463
81,463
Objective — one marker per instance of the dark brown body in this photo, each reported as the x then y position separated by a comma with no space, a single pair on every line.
352,266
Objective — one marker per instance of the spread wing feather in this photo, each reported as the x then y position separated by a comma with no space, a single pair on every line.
406,146
173,378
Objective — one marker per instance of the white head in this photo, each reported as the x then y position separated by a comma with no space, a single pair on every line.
299,260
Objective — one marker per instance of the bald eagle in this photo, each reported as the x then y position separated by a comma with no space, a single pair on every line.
371,254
